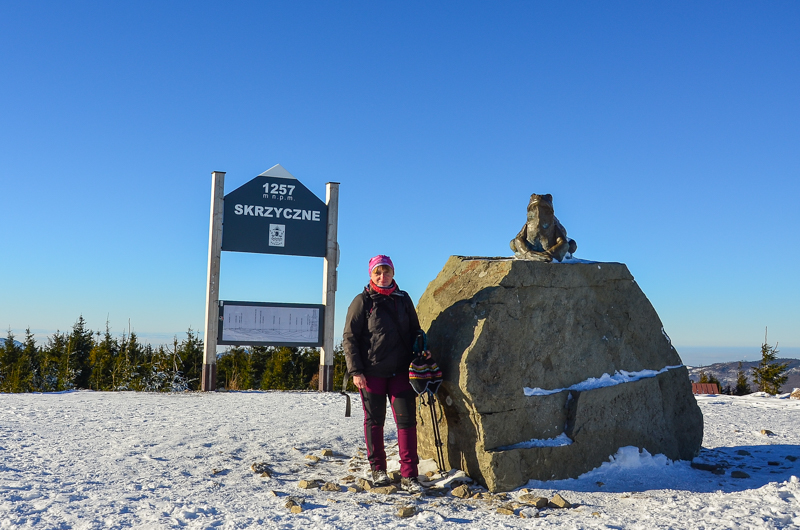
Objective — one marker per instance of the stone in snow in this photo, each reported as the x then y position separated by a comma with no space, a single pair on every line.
556,325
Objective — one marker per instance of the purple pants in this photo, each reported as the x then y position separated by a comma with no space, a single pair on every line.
403,400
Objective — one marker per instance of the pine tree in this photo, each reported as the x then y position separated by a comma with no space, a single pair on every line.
160,373
307,366
189,355
18,364
259,355
79,349
57,372
38,363
10,355
28,363
290,368
278,370
176,380
742,386
709,378
769,376
125,373
233,369
102,358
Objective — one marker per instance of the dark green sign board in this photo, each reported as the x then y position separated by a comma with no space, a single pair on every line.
275,215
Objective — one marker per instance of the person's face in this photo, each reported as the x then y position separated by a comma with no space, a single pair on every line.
382,275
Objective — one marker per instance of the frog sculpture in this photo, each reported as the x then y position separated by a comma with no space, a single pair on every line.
542,238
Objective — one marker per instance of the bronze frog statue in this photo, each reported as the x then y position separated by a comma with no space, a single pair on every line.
542,238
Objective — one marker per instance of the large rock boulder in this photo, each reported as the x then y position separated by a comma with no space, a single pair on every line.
519,343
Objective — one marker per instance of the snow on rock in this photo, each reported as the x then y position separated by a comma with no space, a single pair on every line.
559,441
619,377
570,259
669,340
136,460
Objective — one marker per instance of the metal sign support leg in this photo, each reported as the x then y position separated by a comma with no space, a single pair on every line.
209,381
329,288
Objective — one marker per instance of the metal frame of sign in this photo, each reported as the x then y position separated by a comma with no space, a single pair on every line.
286,329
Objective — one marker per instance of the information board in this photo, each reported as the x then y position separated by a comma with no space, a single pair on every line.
270,324
275,214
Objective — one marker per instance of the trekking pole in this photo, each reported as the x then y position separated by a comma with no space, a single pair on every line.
436,435
345,394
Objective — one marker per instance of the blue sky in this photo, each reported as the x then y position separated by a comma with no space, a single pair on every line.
668,134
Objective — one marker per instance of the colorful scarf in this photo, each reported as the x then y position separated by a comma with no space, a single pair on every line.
386,291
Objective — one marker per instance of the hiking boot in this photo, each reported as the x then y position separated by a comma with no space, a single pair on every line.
380,478
411,485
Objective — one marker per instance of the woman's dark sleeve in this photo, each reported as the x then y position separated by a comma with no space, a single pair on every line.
351,339
413,319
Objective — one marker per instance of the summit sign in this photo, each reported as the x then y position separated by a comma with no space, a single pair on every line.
272,214
275,214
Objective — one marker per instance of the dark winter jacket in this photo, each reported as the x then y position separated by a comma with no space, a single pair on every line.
374,343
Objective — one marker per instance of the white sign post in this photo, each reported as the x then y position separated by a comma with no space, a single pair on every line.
209,381
329,287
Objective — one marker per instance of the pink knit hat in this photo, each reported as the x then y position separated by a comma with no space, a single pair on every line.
380,259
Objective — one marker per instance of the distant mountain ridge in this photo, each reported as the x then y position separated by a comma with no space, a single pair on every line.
726,373
3,343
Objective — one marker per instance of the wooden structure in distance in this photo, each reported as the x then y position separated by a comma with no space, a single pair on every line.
705,388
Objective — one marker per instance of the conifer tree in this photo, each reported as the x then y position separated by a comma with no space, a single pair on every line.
47,367
233,369
189,354
102,358
79,348
709,378
742,386
37,360
125,373
10,355
278,369
176,380
58,372
28,363
307,366
290,368
18,364
259,355
769,376
160,373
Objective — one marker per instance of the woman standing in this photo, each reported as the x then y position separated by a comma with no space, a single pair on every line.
378,340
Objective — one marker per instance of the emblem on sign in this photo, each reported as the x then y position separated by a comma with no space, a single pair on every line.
277,235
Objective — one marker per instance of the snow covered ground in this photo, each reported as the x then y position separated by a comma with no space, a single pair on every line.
136,460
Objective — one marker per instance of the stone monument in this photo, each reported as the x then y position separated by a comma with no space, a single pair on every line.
550,368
